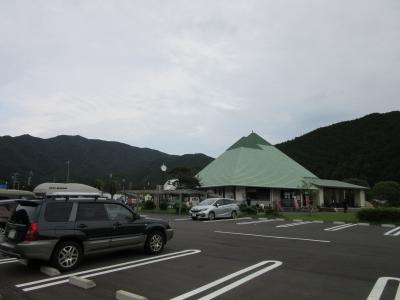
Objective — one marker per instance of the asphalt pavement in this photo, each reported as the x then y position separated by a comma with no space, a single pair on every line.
233,259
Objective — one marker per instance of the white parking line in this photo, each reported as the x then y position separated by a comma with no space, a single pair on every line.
273,236
340,227
225,220
34,285
294,224
185,219
255,222
8,260
379,287
393,232
224,289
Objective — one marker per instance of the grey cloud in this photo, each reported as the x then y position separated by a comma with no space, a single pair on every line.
184,76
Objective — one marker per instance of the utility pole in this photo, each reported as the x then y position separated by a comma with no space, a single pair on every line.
15,180
67,175
29,182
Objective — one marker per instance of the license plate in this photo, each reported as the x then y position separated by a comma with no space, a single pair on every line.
12,233
193,214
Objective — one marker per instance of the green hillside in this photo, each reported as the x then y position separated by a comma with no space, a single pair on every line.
89,159
367,148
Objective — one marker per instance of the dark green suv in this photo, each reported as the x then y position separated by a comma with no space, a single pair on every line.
63,231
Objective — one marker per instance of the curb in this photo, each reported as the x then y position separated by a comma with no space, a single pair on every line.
363,224
318,221
49,271
81,282
388,225
297,220
339,222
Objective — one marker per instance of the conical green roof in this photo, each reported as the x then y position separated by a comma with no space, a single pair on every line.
252,161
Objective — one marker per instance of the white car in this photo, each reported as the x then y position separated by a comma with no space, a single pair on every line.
213,208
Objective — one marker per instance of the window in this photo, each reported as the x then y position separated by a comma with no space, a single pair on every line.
118,213
228,202
219,202
91,212
58,212
24,214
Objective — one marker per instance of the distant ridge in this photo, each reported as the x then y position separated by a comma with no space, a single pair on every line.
89,159
367,148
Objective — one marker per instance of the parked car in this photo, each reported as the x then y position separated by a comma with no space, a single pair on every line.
212,208
6,209
64,231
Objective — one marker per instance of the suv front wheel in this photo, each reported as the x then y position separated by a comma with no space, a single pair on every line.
155,242
67,256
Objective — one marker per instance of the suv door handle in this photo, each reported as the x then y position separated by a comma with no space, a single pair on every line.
82,226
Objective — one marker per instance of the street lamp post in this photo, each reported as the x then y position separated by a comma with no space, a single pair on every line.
163,170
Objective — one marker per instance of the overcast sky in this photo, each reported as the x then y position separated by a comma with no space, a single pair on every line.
194,76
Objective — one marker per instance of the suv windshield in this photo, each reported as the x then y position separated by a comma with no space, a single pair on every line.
207,202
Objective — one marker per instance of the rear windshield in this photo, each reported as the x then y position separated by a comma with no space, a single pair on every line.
58,212
24,214
6,209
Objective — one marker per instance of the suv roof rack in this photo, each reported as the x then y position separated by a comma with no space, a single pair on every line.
75,196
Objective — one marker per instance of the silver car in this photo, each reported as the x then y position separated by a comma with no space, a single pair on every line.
212,208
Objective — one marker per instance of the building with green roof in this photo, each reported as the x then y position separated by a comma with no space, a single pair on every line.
254,170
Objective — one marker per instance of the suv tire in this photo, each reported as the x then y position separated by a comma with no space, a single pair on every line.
155,242
67,256
2,230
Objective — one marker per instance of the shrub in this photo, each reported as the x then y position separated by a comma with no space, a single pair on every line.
164,205
184,208
379,215
251,210
149,205
388,191
272,212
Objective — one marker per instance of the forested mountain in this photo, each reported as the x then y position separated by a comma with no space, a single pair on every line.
89,160
367,148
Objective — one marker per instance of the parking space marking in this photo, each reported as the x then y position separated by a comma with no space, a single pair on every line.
225,220
256,222
7,260
273,236
225,289
34,285
294,224
340,227
393,232
379,287
185,219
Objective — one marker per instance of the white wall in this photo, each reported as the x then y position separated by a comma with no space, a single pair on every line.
319,201
240,193
359,198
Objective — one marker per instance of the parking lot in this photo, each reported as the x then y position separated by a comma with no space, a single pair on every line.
234,259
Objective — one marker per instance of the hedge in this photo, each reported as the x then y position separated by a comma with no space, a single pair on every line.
379,215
